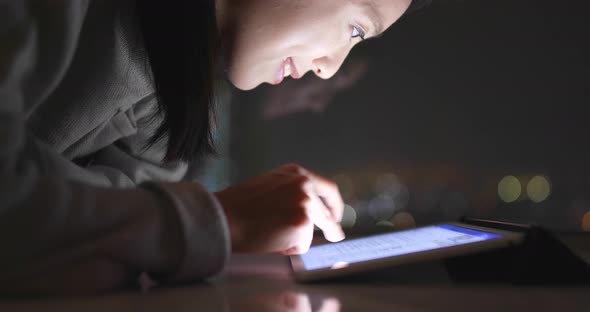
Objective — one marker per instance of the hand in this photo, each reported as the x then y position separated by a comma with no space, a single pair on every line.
276,212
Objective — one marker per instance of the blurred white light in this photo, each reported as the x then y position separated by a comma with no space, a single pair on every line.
339,265
509,189
349,216
403,220
538,189
382,207
345,185
388,183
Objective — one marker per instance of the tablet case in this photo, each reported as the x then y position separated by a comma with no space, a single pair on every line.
541,259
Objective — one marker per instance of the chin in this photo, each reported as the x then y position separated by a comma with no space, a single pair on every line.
244,84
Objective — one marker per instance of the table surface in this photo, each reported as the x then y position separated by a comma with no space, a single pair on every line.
264,283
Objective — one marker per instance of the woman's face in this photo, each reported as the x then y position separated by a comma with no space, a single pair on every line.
268,40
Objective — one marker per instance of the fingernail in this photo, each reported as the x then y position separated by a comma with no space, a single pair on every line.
342,235
337,235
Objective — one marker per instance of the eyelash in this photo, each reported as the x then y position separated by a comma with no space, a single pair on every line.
358,32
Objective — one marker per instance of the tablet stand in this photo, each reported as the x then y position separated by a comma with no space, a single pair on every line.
541,259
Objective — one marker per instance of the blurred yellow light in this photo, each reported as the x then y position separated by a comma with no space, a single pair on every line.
586,222
403,220
509,189
348,217
384,223
538,189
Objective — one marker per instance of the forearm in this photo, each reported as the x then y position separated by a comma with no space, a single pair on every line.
52,228
64,237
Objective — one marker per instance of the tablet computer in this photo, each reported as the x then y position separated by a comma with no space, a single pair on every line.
380,251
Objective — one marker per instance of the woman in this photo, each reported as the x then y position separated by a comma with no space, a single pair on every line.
103,103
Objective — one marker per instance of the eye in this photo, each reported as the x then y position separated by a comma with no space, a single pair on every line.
357,32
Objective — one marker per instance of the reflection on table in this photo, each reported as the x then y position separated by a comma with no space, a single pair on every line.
264,283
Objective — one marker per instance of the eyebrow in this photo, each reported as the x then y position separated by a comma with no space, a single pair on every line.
371,9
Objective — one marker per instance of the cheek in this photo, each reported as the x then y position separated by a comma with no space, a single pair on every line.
250,67
259,49
256,58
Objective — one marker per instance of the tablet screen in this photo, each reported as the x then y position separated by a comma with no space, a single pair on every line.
392,244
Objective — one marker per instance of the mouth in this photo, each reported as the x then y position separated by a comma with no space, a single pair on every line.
286,69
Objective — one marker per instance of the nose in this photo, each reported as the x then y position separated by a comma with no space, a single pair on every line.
327,66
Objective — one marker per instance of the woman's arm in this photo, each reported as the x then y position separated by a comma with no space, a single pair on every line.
63,236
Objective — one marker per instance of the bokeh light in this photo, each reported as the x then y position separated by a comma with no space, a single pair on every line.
345,185
509,189
388,183
385,223
382,207
538,189
586,222
403,220
349,216
577,210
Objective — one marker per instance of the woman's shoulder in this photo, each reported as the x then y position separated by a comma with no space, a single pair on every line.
103,74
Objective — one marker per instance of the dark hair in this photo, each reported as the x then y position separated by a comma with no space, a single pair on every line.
181,41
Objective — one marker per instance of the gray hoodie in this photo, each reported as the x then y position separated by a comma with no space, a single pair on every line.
82,203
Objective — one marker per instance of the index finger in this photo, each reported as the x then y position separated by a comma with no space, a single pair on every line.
319,215
329,193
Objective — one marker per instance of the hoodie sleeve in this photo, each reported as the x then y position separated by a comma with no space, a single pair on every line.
65,236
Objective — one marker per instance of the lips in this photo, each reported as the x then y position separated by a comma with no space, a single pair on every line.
294,72
286,69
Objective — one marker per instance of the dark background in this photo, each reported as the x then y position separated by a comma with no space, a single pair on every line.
456,97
